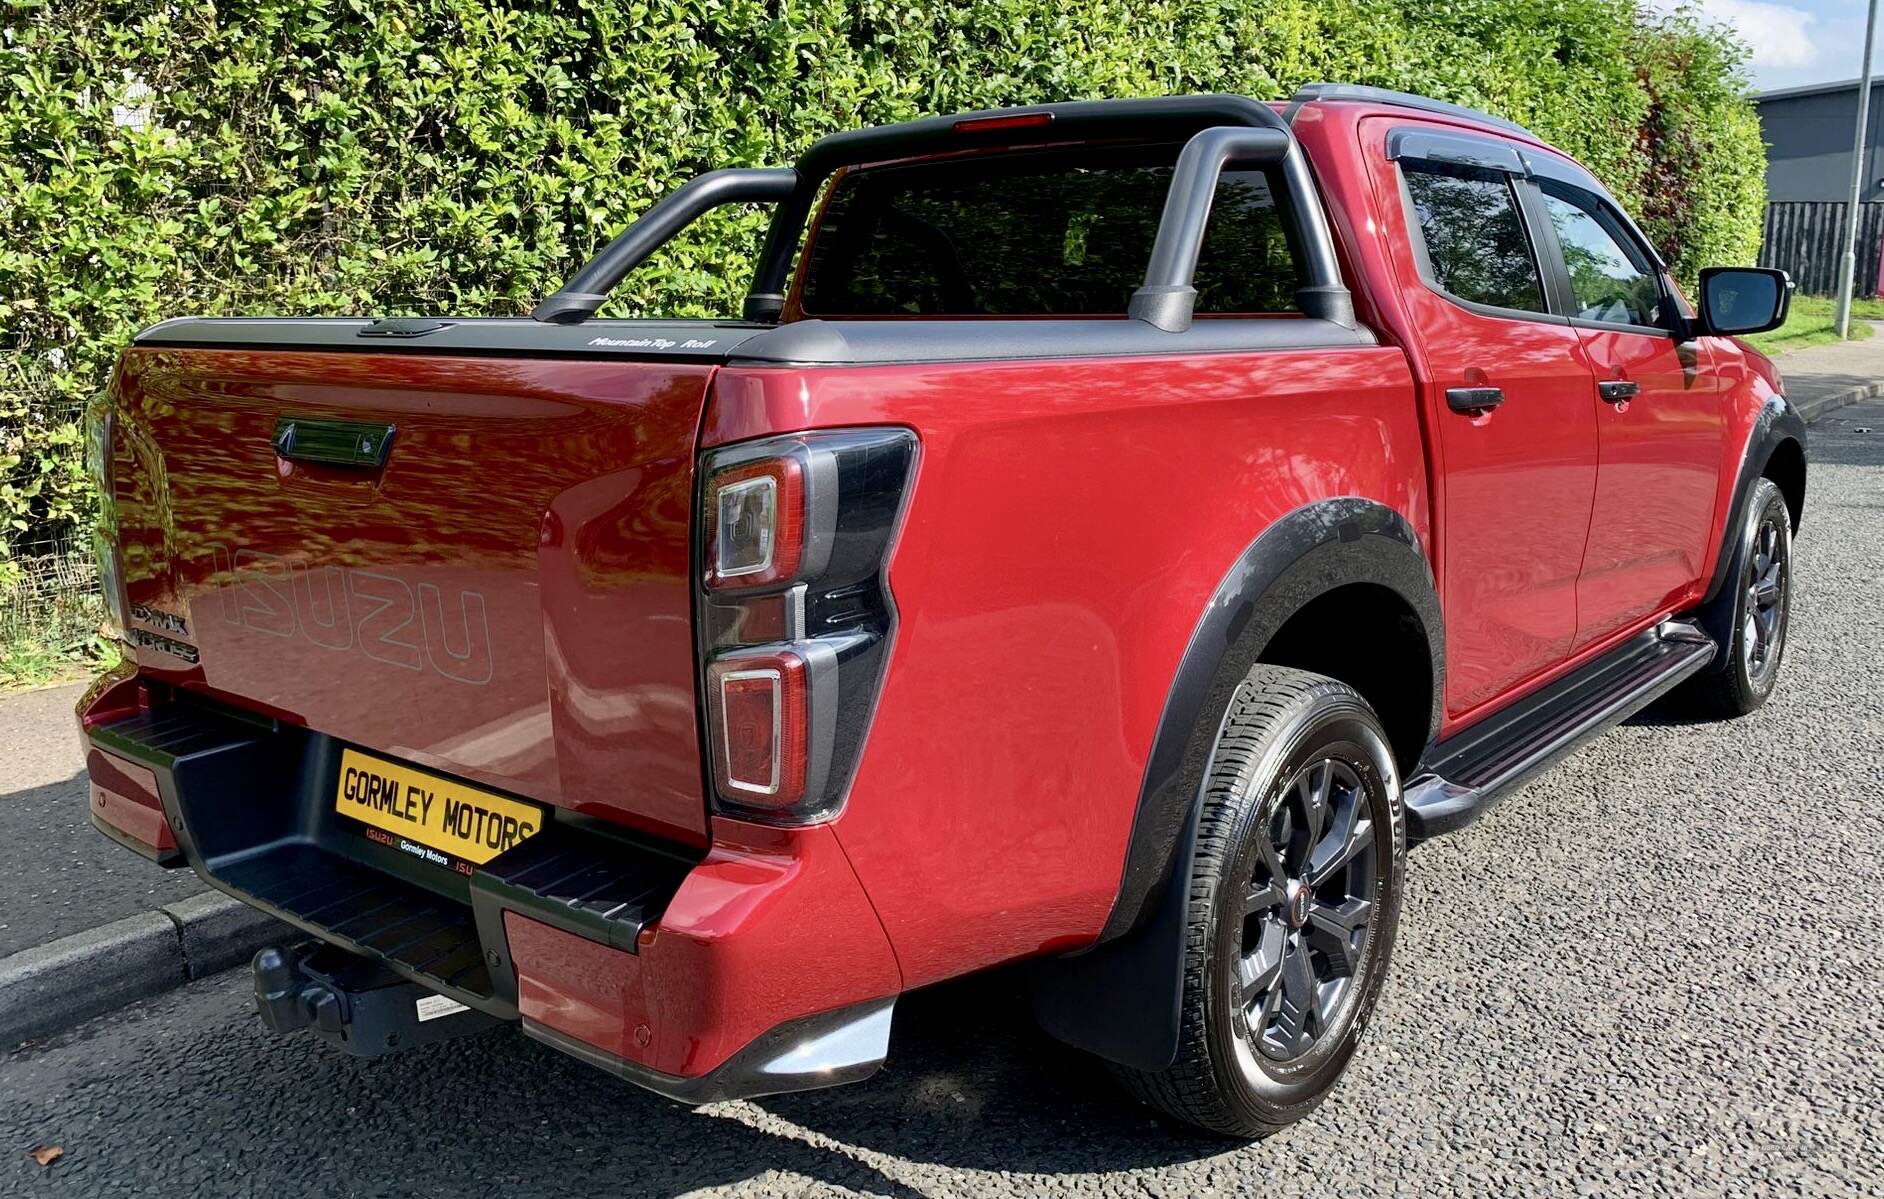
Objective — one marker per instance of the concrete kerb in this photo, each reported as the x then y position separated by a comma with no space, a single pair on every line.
51,987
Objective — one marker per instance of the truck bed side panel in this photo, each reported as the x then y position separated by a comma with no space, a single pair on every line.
1070,521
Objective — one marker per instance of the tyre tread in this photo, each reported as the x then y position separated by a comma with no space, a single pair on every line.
1188,1090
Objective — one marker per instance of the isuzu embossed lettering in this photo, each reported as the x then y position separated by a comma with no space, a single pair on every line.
1112,534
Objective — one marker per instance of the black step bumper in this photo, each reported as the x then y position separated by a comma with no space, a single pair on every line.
250,803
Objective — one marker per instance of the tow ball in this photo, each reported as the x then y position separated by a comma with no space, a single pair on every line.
355,1004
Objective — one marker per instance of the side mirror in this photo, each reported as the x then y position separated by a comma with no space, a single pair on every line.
1743,299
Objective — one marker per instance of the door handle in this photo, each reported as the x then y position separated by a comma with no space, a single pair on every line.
1617,391
1474,400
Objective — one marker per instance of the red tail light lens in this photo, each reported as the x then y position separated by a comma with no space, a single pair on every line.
794,615
757,705
756,523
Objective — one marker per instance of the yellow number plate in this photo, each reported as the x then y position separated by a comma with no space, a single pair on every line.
426,812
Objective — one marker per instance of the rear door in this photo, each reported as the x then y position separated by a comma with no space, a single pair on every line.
1659,415
1510,389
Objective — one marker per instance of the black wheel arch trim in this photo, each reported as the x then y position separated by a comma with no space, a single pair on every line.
1777,424
1120,998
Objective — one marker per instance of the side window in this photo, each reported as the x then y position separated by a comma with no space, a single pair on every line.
1476,247
1610,276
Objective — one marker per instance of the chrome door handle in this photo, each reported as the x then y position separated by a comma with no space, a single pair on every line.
1474,400
1617,391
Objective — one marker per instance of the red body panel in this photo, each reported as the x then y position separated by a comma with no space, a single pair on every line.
507,600
124,797
1519,480
770,927
1653,524
1068,527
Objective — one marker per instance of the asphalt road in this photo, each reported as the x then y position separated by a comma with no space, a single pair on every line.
58,875
1653,971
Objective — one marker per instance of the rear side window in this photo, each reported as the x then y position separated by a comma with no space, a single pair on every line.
1610,275
1476,248
1054,233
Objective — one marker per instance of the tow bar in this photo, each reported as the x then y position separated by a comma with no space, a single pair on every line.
355,1004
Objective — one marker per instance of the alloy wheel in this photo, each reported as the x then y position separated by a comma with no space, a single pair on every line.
1308,912
1764,626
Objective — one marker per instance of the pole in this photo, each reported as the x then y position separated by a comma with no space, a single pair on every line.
1848,262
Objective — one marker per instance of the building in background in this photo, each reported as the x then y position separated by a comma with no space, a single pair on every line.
1808,180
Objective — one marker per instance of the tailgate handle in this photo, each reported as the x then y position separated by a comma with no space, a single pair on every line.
363,444
403,326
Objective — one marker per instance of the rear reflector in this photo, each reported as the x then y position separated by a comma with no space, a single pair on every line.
1018,120
758,709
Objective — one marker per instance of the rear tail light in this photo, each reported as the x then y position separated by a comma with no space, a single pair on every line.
795,615
756,703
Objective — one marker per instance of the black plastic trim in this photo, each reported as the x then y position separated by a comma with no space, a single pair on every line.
1303,555
1120,998
578,299
874,342
1460,778
1777,423
513,337
250,803
1167,298
1455,149
1551,168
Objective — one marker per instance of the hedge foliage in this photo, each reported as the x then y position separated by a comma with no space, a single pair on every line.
393,156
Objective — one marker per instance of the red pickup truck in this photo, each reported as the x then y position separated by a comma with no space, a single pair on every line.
1125,529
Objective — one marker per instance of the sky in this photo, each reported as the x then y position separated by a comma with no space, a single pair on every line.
1796,42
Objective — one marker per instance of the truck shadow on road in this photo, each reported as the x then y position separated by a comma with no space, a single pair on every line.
972,1083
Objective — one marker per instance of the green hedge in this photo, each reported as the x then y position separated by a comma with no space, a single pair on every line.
391,156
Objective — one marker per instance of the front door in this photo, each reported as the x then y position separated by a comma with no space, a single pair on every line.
1659,418
1511,389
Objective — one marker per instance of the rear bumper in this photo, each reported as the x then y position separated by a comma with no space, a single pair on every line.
757,968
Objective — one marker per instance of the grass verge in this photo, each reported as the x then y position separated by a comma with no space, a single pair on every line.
1809,323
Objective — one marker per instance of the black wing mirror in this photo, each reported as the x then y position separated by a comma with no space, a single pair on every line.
1743,299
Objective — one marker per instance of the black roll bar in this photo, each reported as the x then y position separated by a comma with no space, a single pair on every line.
1235,129
1167,300
577,300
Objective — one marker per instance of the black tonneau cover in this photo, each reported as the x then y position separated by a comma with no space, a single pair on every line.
685,341
797,343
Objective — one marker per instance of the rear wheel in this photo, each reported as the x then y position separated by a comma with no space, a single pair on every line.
1294,901
1760,595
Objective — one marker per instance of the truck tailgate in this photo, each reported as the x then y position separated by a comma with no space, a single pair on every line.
505,596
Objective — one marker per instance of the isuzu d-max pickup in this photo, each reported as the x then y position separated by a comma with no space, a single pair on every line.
1112,534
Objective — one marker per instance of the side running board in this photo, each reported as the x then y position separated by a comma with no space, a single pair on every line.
1464,775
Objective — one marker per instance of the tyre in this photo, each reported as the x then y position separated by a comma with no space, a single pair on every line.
1294,899
1755,611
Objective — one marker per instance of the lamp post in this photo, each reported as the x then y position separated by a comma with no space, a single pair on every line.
1848,262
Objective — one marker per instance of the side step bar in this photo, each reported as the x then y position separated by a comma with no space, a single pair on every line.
1464,775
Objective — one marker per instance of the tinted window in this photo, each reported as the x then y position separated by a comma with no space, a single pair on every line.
1610,276
1475,241
1044,233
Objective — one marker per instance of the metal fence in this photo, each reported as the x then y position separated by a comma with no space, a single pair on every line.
1806,238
